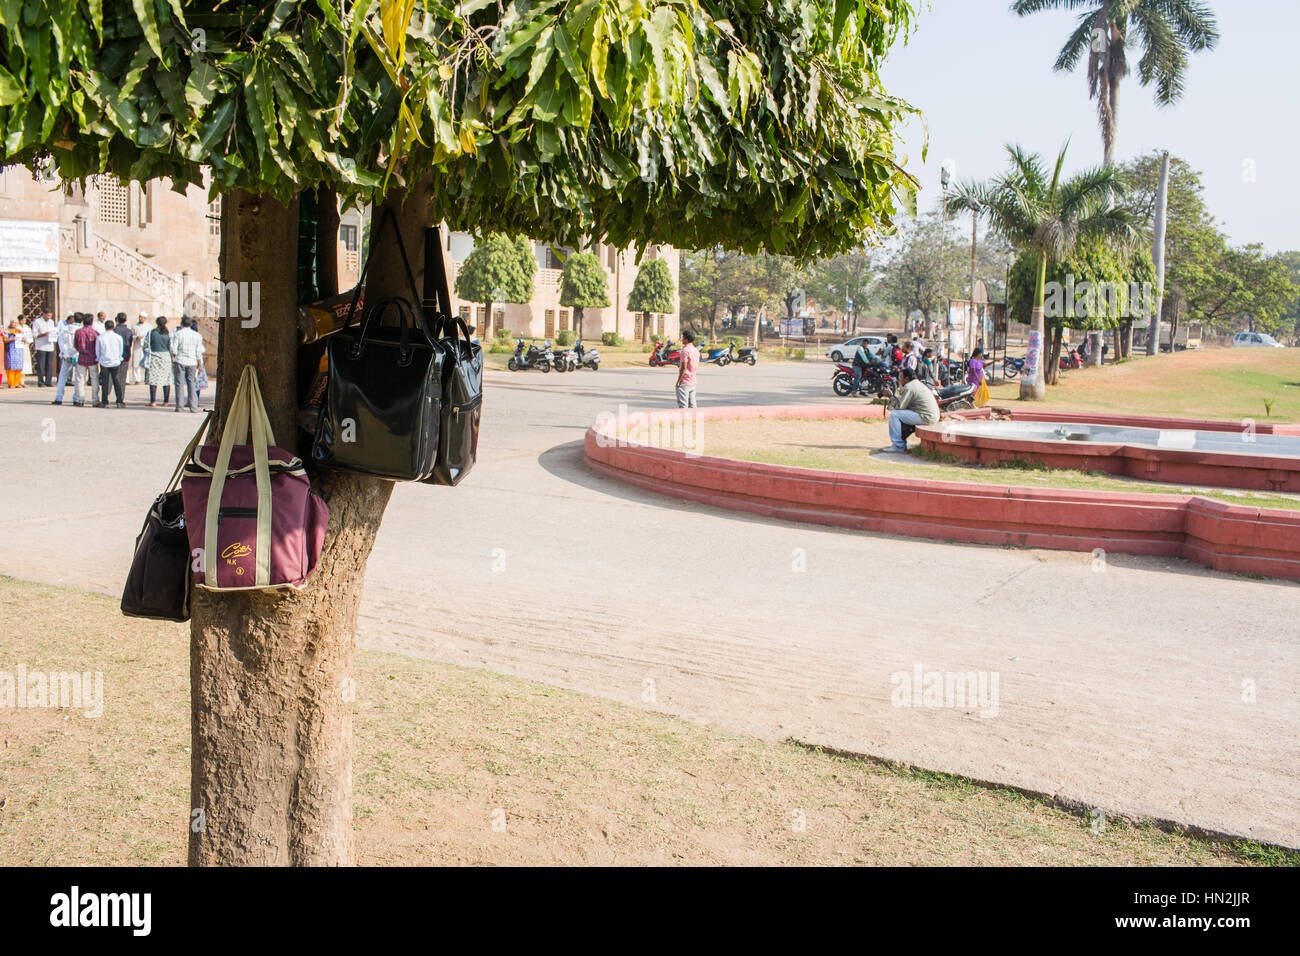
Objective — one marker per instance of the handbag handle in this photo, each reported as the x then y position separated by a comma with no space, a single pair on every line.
247,414
404,312
386,218
436,302
189,450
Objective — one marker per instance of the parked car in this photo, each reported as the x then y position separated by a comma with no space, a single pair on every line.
844,351
1248,339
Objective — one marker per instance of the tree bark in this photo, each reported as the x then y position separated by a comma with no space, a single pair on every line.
1053,350
577,320
271,672
1033,386
327,242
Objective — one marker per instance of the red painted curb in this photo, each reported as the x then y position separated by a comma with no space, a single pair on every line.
1221,536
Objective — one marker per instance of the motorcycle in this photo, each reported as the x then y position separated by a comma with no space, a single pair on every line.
748,354
1072,360
565,359
875,381
586,358
953,398
1012,367
536,357
665,353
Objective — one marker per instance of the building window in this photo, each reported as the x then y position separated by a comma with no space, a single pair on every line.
550,323
114,201
465,315
564,320
348,236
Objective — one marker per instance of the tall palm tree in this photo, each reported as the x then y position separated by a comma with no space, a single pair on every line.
1039,213
1168,31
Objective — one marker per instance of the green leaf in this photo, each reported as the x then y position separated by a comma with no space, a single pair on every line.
144,13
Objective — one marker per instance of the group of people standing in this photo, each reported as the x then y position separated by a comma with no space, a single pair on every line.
105,355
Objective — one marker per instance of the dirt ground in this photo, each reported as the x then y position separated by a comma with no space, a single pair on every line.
458,766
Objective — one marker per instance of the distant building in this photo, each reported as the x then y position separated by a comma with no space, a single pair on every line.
543,317
133,248
119,248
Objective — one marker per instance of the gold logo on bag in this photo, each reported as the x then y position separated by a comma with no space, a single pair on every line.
235,551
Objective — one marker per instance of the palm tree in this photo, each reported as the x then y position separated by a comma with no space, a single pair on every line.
1167,29
1040,214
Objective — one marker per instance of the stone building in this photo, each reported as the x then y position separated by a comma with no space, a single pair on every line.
543,317
147,248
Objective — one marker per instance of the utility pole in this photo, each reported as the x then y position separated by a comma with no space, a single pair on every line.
1158,255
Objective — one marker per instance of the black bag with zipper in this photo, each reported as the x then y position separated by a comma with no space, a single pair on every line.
383,404
159,584
462,372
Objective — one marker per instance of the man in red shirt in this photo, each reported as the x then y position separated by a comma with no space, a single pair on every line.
690,362
87,369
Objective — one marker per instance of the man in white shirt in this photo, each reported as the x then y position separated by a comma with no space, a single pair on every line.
67,356
43,332
187,356
98,325
108,349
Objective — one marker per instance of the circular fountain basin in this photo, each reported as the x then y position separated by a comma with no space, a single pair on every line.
1223,454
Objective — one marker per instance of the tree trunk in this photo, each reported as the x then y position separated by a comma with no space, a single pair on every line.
1124,341
1052,372
327,242
1158,254
271,672
1033,386
577,321
1095,340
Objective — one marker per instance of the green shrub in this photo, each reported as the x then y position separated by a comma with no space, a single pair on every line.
504,333
611,339
501,348
647,348
564,337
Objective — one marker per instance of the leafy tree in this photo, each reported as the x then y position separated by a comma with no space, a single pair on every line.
584,284
708,280
1043,214
653,290
838,279
1168,31
681,122
498,269
1105,302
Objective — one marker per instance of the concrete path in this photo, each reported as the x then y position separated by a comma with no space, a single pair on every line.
1141,686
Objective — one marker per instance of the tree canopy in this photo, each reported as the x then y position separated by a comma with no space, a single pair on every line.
652,290
499,269
689,122
584,283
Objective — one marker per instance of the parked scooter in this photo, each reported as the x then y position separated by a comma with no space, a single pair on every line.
585,357
720,357
748,354
665,353
1072,359
536,357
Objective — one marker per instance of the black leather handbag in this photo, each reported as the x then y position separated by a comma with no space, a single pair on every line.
383,400
462,373
159,583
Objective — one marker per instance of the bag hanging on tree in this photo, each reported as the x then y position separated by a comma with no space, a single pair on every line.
383,397
159,583
253,520
462,373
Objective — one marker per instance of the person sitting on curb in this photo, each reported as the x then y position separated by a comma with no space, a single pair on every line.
916,406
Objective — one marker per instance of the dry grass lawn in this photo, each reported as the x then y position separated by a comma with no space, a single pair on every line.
462,766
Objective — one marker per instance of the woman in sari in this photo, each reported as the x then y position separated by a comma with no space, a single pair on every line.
15,345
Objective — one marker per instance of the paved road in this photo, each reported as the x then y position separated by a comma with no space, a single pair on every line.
1151,687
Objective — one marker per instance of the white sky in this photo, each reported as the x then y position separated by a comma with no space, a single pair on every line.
983,77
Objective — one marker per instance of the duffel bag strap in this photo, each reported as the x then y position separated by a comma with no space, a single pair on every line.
247,412
189,452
